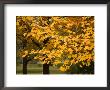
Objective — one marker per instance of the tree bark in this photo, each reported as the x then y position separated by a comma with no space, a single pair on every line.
24,66
45,68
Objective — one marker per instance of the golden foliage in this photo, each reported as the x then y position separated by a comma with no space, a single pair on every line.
70,38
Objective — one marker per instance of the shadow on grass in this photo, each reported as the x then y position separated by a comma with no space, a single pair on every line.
36,69
75,69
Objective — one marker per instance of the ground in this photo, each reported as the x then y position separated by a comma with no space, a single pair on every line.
36,69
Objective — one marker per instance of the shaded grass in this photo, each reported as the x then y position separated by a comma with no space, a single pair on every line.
36,69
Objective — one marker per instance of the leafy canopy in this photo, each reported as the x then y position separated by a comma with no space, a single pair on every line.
54,40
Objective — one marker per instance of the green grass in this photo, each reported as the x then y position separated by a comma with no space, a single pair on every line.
36,69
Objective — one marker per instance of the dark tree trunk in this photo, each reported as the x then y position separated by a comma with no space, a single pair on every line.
24,66
45,68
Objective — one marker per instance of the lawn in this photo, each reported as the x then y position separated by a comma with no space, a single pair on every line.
36,69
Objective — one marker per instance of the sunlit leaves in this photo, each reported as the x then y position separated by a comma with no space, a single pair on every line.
64,40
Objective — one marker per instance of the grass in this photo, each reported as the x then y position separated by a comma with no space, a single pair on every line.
36,69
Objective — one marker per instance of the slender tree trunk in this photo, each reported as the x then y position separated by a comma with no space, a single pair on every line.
24,65
45,68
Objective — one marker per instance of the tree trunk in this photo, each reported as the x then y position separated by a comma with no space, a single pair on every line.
24,66
45,68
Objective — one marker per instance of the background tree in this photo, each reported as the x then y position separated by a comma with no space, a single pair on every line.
23,44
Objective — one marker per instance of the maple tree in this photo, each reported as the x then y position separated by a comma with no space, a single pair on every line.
54,40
